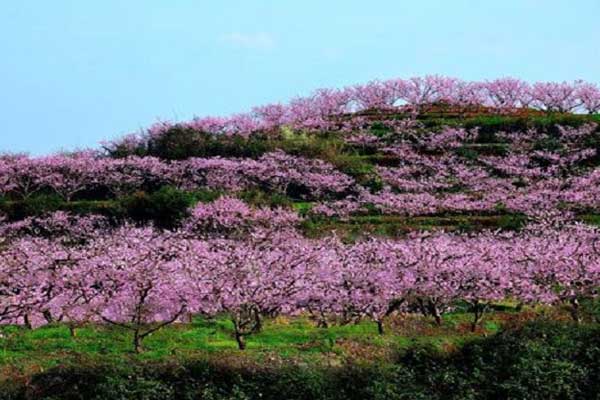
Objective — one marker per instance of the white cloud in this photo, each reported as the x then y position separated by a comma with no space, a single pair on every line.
260,41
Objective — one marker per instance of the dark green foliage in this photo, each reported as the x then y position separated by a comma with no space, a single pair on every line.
355,166
261,198
31,206
542,360
374,183
398,226
179,143
205,196
487,137
360,168
489,149
380,129
326,145
467,153
109,208
549,143
165,207
511,222
124,150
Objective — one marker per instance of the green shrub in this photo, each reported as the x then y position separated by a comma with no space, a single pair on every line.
512,222
549,143
109,208
355,166
326,146
32,206
165,207
467,153
259,198
205,196
181,142
542,360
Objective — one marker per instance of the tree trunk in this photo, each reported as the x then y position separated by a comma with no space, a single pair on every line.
575,311
48,316
137,342
258,325
72,330
27,322
478,310
422,307
435,312
380,328
241,341
322,323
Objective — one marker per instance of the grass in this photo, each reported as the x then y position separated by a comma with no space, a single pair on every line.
296,339
496,123
397,225
591,219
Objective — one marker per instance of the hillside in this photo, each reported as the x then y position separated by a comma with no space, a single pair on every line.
390,240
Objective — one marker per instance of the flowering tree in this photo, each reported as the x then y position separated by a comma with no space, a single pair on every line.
251,279
23,176
507,93
323,109
589,96
140,280
70,175
64,227
231,217
372,284
554,96
31,284
560,265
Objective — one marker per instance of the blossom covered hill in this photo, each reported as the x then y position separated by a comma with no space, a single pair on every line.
395,198
416,147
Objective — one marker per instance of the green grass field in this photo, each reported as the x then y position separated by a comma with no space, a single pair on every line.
295,339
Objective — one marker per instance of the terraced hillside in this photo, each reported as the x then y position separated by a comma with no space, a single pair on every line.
392,240
479,172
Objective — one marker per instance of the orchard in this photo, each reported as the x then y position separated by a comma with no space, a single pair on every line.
469,207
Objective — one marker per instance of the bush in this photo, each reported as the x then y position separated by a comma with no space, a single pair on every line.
179,143
261,198
512,222
467,153
206,196
326,146
32,206
165,207
542,360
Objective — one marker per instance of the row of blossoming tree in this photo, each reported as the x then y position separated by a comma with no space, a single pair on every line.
250,263
322,110
535,171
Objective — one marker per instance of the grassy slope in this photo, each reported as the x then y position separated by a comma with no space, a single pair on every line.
296,340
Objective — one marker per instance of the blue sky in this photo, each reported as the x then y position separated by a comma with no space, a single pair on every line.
73,73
